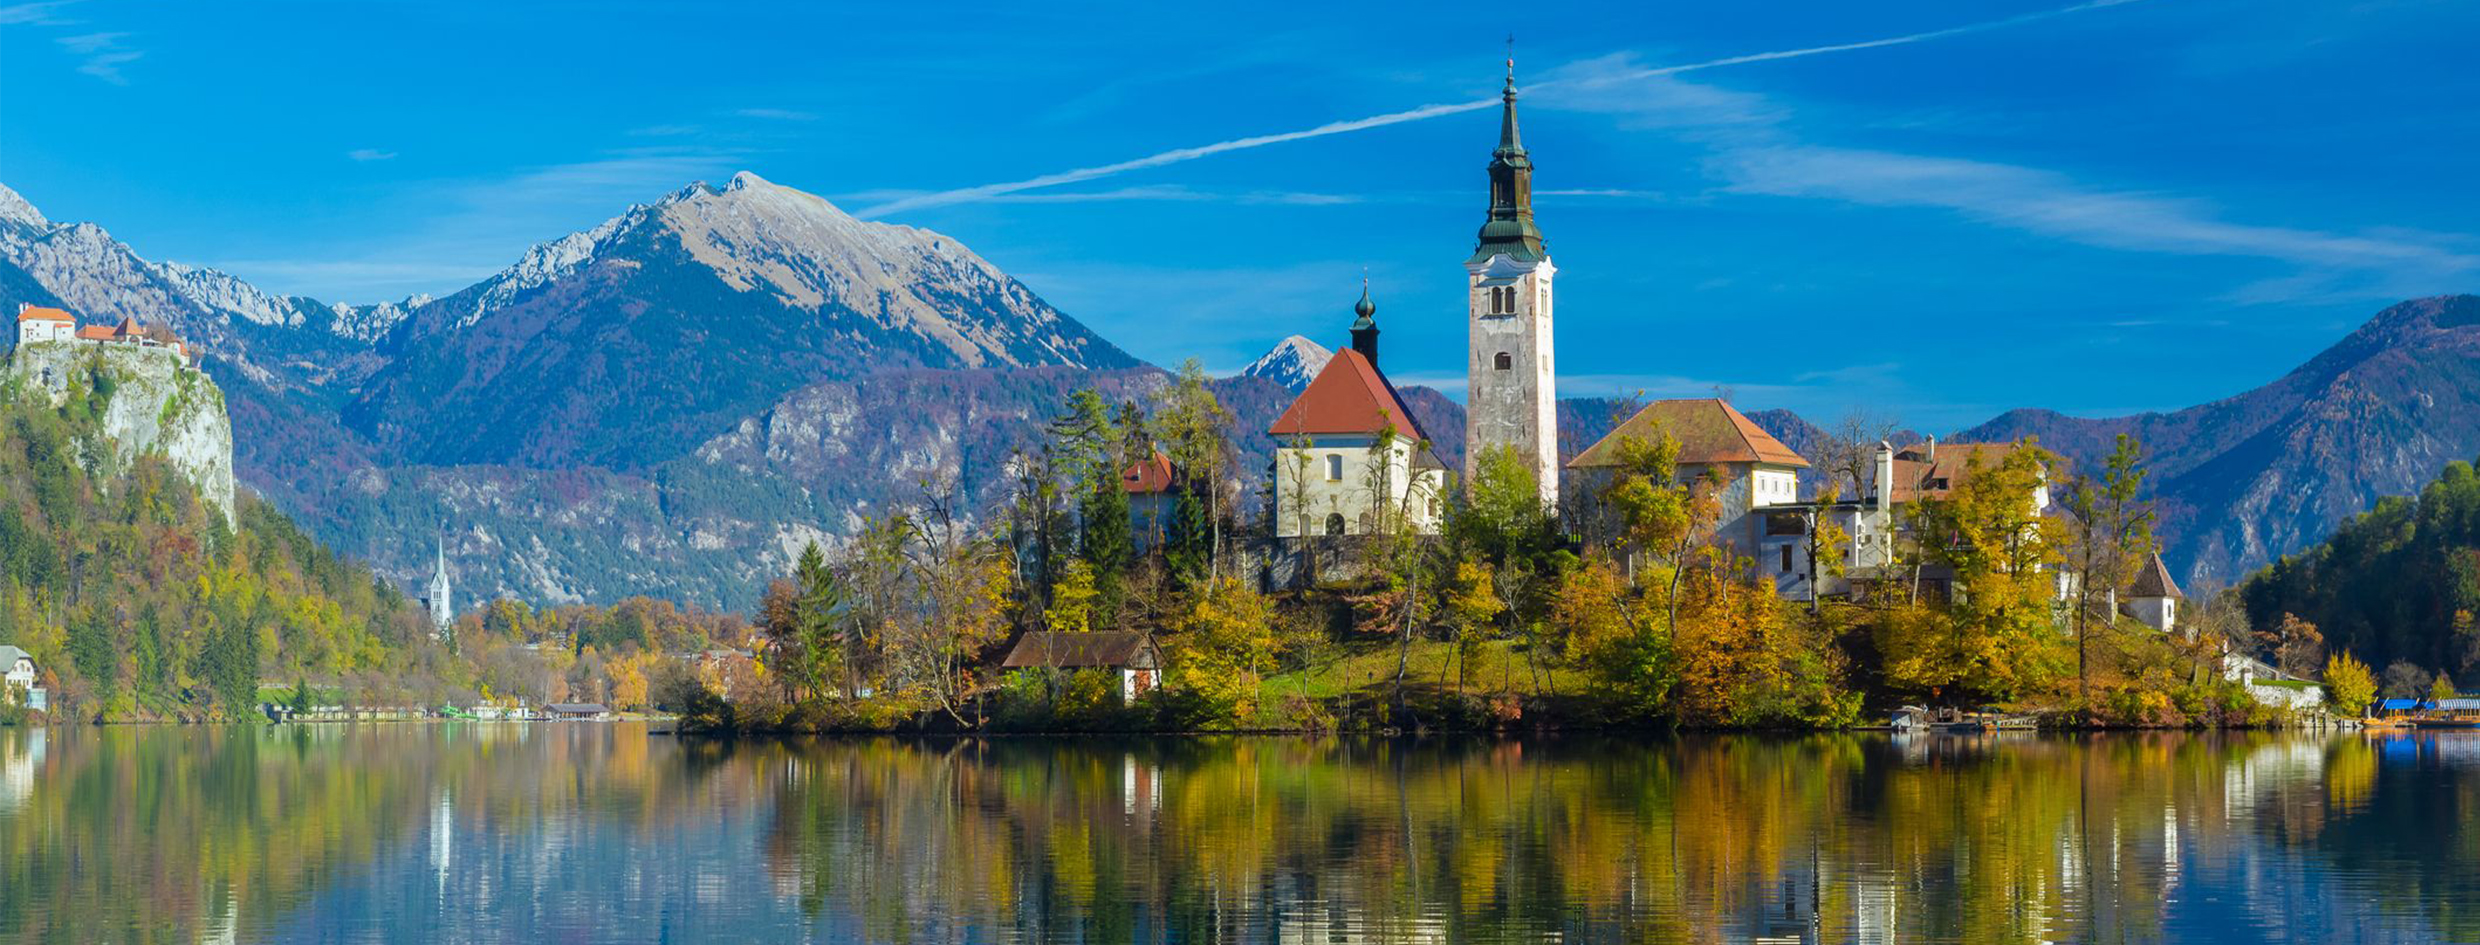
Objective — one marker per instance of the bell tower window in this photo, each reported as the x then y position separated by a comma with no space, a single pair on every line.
1504,361
1334,468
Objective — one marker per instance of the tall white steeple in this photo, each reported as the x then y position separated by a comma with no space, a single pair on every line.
1511,398
443,608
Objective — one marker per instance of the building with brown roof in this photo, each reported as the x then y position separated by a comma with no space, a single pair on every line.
37,323
1129,653
1349,458
1754,471
2153,598
1152,485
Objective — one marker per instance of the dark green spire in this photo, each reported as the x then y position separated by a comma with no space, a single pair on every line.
1510,229
1365,328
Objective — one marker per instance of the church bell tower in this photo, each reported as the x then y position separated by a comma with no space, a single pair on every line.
1510,397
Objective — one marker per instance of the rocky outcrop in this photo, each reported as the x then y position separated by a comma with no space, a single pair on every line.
151,402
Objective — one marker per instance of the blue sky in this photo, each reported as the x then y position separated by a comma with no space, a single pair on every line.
2100,209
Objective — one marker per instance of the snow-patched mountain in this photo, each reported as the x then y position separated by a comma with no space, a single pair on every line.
1294,362
82,267
634,341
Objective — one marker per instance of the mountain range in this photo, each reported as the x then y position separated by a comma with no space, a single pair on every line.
675,401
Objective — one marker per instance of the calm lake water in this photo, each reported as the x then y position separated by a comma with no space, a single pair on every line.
602,833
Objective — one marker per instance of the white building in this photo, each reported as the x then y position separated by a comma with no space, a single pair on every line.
1511,397
36,323
1349,458
1756,473
2154,598
20,681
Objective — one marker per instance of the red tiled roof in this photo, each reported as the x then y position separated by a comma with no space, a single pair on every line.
1348,396
1708,430
38,313
1149,476
95,333
1917,477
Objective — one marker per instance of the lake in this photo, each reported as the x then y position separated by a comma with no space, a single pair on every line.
582,832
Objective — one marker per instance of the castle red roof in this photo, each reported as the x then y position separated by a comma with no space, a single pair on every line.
1149,476
1348,397
38,313
95,333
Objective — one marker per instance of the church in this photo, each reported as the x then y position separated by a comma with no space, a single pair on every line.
1350,458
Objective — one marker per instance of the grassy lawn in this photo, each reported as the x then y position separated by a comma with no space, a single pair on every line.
1357,681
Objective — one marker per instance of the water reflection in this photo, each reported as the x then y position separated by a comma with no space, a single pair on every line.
494,832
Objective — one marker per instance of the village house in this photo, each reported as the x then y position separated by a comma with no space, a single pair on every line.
1153,498
1751,470
20,681
1132,655
1349,458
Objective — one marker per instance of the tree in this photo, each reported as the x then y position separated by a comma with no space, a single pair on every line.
2114,533
819,619
1472,608
1847,455
1072,602
2442,689
1998,638
1659,515
1826,541
2296,645
2348,686
1192,426
2404,680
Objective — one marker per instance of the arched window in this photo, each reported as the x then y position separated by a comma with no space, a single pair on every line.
1334,523
1334,467
1505,362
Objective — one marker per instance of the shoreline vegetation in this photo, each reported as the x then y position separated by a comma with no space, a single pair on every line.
1503,621
140,605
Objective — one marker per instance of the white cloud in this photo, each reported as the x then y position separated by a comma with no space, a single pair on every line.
1150,192
369,154
776,114
1178,155
104,54
35,14
2052,204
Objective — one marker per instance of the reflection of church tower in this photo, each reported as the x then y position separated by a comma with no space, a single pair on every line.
1510,399
443,610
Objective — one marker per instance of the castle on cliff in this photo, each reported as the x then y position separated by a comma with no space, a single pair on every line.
36,323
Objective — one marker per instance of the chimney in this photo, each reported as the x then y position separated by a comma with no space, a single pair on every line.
1933,451
1884,494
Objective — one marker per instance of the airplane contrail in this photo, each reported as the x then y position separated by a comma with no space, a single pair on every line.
1178,155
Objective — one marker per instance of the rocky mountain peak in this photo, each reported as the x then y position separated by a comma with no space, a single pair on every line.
15,209
1293,363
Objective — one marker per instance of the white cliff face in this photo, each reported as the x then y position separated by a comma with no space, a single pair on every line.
1293,363
157,405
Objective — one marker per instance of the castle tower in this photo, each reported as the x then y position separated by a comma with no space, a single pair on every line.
1511,398
443,610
